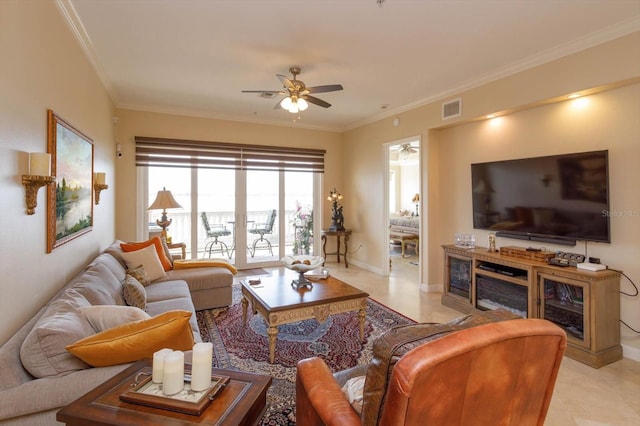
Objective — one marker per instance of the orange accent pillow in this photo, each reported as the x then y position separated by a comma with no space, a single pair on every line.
157,242
136,340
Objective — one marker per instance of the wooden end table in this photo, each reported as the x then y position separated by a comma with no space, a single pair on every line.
338,234
278,302
242,402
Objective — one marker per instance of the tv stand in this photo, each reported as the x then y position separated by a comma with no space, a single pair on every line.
585,304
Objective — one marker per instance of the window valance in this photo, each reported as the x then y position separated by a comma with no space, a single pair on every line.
160,152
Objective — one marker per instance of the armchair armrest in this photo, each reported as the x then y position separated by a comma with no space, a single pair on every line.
319,399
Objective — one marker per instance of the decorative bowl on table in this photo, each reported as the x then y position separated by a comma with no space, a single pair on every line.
302,264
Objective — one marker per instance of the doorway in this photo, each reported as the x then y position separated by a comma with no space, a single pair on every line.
403,201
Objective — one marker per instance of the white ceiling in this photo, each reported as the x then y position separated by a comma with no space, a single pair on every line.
194,57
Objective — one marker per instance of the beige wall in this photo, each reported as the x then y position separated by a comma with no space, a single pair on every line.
136,123
534,127
43,67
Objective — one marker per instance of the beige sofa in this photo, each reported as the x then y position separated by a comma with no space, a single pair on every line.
38,376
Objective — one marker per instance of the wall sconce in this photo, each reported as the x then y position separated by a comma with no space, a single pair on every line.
99,185
39,175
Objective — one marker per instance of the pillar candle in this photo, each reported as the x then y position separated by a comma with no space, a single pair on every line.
39,164
158,364
100,178
201,366
173,373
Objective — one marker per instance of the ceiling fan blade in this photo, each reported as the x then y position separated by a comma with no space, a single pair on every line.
316,101
325,88
275,92
285,81
277,105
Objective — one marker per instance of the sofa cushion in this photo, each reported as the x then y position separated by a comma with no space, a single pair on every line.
156,243
392,345
134,293
43,351
201,278
137,340
148,258
103,317
99,286
118,269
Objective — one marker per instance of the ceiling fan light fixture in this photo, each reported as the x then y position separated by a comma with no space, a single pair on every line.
302,104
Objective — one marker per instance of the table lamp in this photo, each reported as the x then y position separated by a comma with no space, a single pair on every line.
164,200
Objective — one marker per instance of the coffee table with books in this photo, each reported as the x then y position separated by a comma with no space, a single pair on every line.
279,302
241,402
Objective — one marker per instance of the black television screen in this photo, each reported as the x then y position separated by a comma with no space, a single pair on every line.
558,198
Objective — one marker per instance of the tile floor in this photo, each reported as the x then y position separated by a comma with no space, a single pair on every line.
583,396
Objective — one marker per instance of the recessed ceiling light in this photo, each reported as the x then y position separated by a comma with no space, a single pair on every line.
491,116
574,95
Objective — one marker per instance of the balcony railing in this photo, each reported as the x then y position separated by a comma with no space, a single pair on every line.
180,230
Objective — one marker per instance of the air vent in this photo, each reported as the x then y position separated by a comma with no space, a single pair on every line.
452,109
268,95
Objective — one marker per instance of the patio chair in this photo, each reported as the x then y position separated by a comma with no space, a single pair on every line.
262,229
214,232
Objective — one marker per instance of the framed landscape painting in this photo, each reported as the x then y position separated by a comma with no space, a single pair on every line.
69,201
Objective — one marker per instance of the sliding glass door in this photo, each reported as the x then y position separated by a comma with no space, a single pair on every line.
253,218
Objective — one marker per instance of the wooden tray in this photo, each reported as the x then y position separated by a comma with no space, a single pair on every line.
186,401
523,253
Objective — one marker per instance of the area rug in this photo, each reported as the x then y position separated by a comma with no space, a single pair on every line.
246,348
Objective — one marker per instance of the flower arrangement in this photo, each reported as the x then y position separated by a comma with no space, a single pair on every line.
302,221
337,218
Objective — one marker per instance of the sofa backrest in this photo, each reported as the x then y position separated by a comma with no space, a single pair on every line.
98,283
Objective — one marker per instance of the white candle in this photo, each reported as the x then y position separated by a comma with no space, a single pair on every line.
173,373
39,164
158,364
201,366
100,178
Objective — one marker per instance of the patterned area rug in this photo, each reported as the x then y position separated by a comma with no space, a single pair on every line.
246,348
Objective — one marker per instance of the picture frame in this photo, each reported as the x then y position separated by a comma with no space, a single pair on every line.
70,199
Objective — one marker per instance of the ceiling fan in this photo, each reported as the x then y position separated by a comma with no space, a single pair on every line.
298,94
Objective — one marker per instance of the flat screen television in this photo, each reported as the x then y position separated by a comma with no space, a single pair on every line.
557,199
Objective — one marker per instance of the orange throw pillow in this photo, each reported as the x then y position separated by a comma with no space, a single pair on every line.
157,242
136,340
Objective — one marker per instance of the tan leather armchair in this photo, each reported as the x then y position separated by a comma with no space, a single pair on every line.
501,373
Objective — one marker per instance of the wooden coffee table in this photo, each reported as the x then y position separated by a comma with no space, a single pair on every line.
242,402
280,303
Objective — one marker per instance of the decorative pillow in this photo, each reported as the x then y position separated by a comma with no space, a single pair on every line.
156,243
353,390
148,258
167,252
137,340
103,317
134,293
139,274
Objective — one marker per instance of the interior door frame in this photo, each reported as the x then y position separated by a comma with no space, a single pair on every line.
386,265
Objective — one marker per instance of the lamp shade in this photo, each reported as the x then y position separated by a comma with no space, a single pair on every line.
164,200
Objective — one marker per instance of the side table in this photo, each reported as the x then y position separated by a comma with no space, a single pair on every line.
182,246
242,402
338,234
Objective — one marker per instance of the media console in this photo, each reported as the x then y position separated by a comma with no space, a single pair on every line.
585,304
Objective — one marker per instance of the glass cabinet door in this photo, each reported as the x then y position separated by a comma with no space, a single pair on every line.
459,276
566,303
